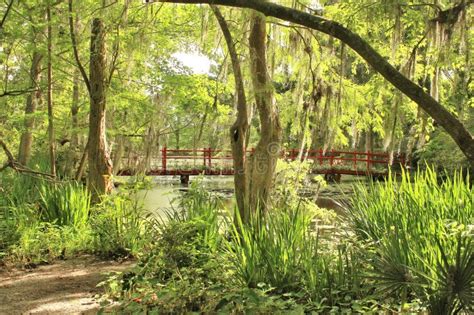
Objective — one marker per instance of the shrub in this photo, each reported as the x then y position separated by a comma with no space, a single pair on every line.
14,219
188,235
277,263
17,209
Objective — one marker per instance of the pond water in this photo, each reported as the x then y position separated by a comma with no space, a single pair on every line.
166,188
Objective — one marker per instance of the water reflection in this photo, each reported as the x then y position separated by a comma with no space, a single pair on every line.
166,188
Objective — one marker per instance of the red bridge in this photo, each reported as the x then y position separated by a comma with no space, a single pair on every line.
207,161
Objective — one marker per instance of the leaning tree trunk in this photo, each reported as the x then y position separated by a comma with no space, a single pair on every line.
32,102
263,162
100,165
239,130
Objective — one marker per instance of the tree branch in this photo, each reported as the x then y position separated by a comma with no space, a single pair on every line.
74,47
13,164
5,15
16,92
451,15
115,57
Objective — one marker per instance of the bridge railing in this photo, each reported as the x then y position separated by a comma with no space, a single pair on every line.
214,162
347,160
324,161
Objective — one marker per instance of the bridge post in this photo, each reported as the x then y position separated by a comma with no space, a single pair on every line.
403,159
331,160
210,157
368,162
320,157
184,179
355,161
163,159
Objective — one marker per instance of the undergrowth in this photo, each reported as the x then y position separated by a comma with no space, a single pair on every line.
406,247
41,221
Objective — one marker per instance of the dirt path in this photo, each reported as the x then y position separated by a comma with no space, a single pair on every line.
66,287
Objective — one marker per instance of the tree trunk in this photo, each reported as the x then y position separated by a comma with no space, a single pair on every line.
203,123
117,162
263,161
51,137
32,102
239,130
369,139
440,114
100,166
148,142
74,145
82,162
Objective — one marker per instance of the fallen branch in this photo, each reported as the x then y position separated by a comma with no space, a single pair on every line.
16,92
13,164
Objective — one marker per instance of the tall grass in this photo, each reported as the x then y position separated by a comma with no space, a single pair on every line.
121,226
283,250
202,208
64,203
420,233
17,196
17,189
271,248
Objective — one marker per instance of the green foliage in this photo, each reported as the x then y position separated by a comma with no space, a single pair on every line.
291,179
13,220
44,242
407,248
58,221
17,209
64,204
285,251
120,225
201,207
188,235
419,234
181,270
443,152
18,189
271,249
277,263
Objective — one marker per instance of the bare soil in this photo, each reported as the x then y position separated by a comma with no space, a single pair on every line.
65,287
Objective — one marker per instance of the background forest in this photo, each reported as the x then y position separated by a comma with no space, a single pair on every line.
326,95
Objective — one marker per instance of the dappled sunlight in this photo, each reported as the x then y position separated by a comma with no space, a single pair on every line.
65,287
